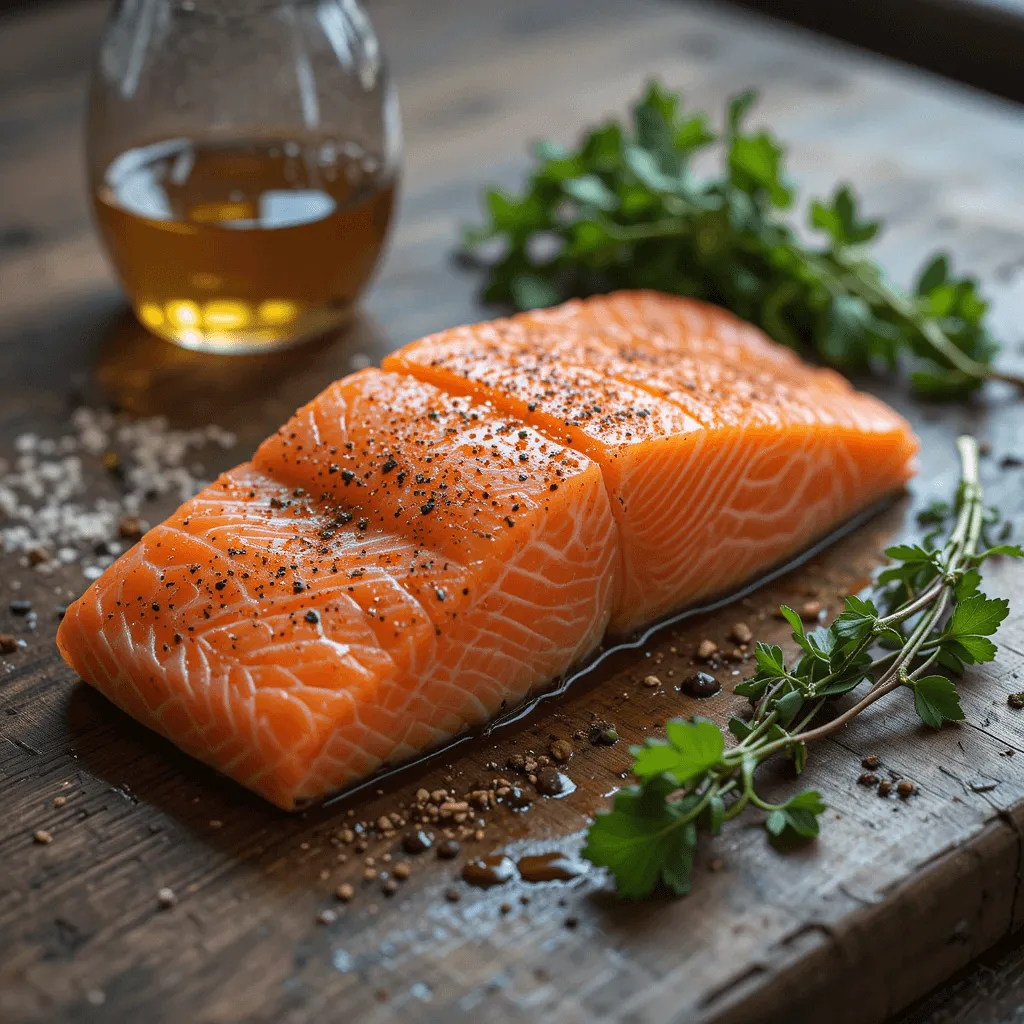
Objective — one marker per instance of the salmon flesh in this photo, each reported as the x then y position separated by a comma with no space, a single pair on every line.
424,545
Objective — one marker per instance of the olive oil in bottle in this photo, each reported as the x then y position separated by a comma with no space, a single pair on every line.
242,246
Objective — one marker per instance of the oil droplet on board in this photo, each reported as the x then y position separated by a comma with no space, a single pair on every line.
550,867
487,871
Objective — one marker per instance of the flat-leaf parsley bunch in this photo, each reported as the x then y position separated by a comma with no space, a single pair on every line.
624,209
927,612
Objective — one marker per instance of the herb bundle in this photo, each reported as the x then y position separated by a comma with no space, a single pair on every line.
625,210
926,612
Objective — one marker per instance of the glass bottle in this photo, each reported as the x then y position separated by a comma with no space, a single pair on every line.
243,157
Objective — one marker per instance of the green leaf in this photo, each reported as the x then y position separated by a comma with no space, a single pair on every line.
973,650
841,686
934,274
769,659
512,215
847,326
647,169
794,620
532,292
590,190
602,147
912,554
1009,550
938,513
891,638
693,133
752,688
936,701
972,622
818,644
967,585
857,619
587,236
546,151
788,707
690,750
755,163
737,109
799,815
739,728
645,839
840,220
822,640
948,660
654,117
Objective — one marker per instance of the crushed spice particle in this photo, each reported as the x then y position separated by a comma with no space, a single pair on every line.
706,650
561,750
741,633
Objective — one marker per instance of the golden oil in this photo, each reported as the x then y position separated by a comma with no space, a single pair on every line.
240,246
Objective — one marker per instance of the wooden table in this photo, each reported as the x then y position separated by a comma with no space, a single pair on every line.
894,898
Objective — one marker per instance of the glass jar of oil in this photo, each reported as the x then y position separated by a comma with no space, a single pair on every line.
243,158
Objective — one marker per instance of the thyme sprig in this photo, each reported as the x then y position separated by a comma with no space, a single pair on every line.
926,612
625,209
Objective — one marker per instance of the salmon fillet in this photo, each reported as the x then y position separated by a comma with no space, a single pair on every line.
422,546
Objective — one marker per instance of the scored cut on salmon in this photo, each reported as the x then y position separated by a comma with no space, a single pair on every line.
422,546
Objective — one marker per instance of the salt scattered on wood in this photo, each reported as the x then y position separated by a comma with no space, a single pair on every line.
44,491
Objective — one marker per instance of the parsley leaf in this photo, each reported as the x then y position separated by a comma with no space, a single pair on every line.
936,701
644,839
1012,550
857,620
798,815
769,659
973,621
691,748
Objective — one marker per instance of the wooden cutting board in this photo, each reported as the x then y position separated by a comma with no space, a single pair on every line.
895,895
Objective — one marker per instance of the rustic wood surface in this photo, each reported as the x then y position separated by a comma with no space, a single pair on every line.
893,899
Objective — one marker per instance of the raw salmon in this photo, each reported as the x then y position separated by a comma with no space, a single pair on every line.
422,546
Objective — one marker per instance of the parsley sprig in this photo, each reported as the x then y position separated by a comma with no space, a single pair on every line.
625,209
926,612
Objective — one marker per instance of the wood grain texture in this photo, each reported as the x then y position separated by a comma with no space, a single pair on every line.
894,897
